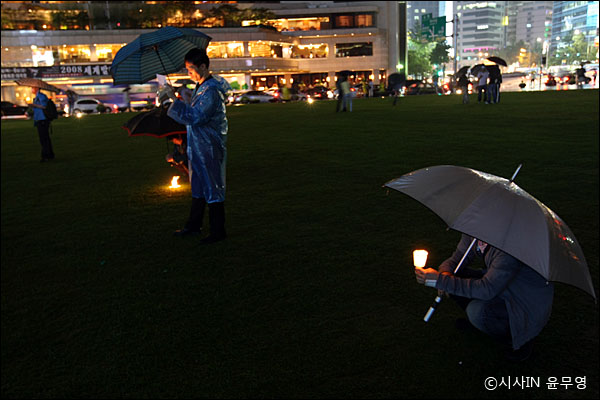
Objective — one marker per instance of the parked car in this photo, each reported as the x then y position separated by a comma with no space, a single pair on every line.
416,86
11,109
255,96
319,92
89,106
295,95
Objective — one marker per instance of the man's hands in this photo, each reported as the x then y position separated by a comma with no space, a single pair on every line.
167,93
426,276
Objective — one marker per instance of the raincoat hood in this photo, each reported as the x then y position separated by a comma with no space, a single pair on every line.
220,83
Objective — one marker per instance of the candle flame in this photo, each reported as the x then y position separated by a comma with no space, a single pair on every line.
174,183
420,258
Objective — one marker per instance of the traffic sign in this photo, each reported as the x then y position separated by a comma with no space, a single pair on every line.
432,28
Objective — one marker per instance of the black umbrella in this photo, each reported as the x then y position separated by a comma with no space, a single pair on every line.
462,71
497,60
477,68
396,81
154,123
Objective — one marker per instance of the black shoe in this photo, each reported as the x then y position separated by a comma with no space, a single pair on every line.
187,232
44,160
213,239
521,354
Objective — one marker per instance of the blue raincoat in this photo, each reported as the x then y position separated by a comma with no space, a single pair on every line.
206,137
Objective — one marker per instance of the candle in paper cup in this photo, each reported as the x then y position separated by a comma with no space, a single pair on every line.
420,258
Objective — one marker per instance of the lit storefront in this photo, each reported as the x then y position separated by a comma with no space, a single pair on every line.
296,49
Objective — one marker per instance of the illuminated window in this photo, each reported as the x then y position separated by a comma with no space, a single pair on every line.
353,20
344,21
225,50
310,51
354,49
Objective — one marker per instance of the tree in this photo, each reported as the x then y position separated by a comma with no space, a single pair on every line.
575,53
419,53
231,16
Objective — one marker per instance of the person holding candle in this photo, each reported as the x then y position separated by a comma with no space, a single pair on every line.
207,127
507,299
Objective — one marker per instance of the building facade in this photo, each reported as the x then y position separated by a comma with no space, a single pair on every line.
304,43
482,29
570,18
534,22
416,9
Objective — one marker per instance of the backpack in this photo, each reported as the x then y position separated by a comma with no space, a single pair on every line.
50,111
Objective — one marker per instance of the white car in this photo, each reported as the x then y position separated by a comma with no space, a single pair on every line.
256,96
88,106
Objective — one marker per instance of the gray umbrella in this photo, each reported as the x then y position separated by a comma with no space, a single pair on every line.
499,212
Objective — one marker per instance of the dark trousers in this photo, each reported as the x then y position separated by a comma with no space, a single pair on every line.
482,93
43,128
490,316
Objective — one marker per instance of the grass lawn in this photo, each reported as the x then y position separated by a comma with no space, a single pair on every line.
313,294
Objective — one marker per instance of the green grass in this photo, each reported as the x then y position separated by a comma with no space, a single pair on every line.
313,294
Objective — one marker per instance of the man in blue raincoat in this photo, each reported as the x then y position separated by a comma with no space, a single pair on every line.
206,137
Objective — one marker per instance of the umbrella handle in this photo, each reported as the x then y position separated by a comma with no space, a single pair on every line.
161,63
437,301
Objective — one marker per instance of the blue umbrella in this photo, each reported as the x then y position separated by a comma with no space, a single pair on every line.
158,52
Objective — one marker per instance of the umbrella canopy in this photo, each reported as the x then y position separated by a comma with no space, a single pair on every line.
462,71
154,123
499,212
477,68
38,83
396,80
497,60
158,52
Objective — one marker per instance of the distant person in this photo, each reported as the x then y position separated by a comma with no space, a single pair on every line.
580,76
347,96
370,88
482,84
533,78
495,79
463,84
507,300
340,97
42,124
71,98
285,93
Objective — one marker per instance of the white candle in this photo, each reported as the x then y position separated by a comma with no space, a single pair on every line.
420,258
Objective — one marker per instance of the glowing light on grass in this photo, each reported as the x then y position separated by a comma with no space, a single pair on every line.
420,258
174,183
310,100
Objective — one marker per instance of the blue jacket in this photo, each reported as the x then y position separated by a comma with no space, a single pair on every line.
206,137
528,295
38,113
